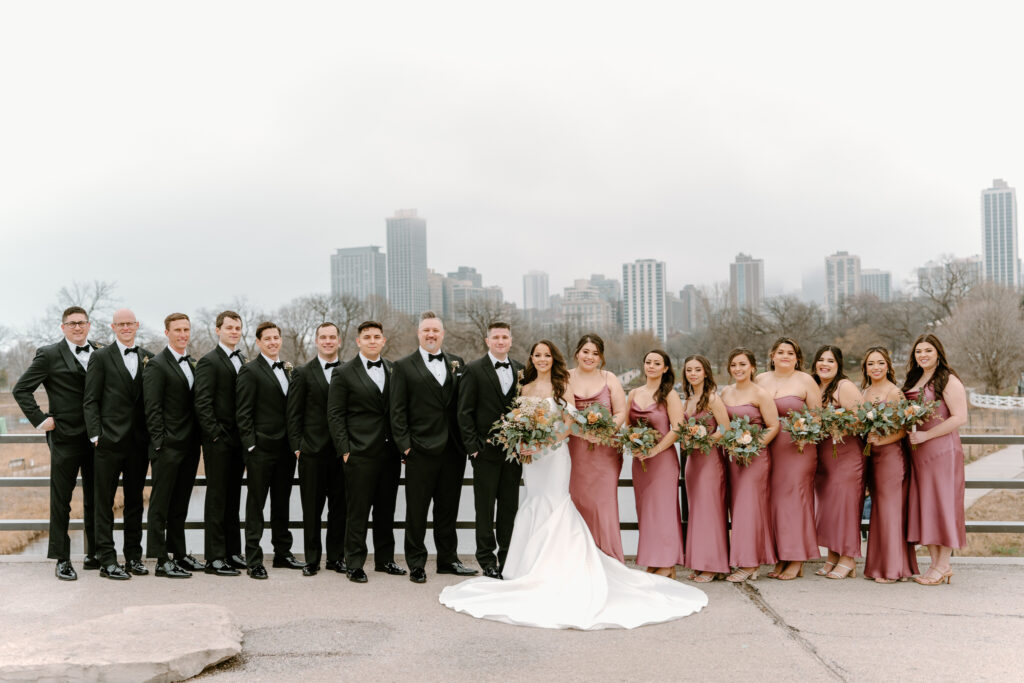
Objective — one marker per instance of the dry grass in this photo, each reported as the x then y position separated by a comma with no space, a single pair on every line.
995,506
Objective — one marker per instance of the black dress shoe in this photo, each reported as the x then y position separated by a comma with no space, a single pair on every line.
136,567
357,575
336,566
238,562
310,570
257,572
171,570
64,571
189,564
390,568
287,562
456,568
90,562
220,568
493,573
418,575
114,571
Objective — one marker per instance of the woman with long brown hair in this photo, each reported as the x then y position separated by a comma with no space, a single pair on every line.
890,558
792,477
935,507
594,486
707,527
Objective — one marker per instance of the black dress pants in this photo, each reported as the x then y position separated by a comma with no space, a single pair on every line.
437,479
322,481
67,458
174,475
113,460
371,483
270,469
224,468
495,486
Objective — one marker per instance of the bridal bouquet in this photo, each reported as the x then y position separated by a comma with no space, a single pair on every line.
695,435
742,440
878,419
803,426
911,413
837,423
595,420
638,440
531,424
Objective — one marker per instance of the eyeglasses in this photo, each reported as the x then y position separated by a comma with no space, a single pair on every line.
126,325
76,323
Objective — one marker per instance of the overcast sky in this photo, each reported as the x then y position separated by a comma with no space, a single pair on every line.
198,151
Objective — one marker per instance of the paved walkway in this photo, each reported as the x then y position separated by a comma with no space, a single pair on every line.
326,628
1007,463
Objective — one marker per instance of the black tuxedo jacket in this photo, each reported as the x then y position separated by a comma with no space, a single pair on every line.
358,413
423,413
307,409
261,405
112,402
215,397
481,402
170,405
63,377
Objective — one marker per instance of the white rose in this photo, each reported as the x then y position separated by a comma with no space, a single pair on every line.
870,415
745,439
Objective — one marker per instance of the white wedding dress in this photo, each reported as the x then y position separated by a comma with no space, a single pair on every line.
555,576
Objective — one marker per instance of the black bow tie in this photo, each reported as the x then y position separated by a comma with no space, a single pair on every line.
435,356
278,364
332,365
234,353
374,364
502,364
134,349
185,359
82,349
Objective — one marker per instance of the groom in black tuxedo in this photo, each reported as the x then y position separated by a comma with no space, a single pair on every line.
60,368
486,391
168,383
260,409
115,421
423,420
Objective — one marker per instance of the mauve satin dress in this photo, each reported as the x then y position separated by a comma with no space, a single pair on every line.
707,526
751,542
839,493
657,497
889,555
594,483
792,492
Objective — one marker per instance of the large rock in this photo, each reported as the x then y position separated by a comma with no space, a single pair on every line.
149,643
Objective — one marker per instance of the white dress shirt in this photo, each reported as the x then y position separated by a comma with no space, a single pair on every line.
235,360
436,367
504,374
328,372
186,367
131,360
278,372
376,373
83,357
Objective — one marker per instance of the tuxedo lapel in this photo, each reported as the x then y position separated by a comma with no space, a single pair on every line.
319,378
69,358
227,361
121,369
269,371
492,375
368,384
169,358
427,377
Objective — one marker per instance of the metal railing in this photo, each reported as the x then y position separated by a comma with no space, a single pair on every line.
973,526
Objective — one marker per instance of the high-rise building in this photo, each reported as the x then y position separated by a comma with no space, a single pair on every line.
583,304
999,239
407,262
693,310
877,282
535,291
467,274
643,297
746,282
842,279
611,291
436,284
360,272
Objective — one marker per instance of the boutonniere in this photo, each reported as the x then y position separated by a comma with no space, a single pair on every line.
193,363
97,345
455,366
145,361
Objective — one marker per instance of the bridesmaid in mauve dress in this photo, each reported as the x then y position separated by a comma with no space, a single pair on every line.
660,547
839,482
935,516
594,482
750,543
890,558
792,478
707,529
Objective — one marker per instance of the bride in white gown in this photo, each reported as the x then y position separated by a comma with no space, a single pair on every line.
555,576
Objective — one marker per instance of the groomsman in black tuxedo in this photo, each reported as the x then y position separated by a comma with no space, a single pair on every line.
216,373
260,409
358,412
486,391
116,423
60,368
168,383
423,420
321,478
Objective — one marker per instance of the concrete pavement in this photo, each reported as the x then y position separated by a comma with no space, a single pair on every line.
1006,463
326,628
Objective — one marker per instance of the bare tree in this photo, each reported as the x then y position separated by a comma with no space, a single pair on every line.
945,285
987,337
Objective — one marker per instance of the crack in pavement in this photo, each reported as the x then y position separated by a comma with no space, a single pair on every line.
794,633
